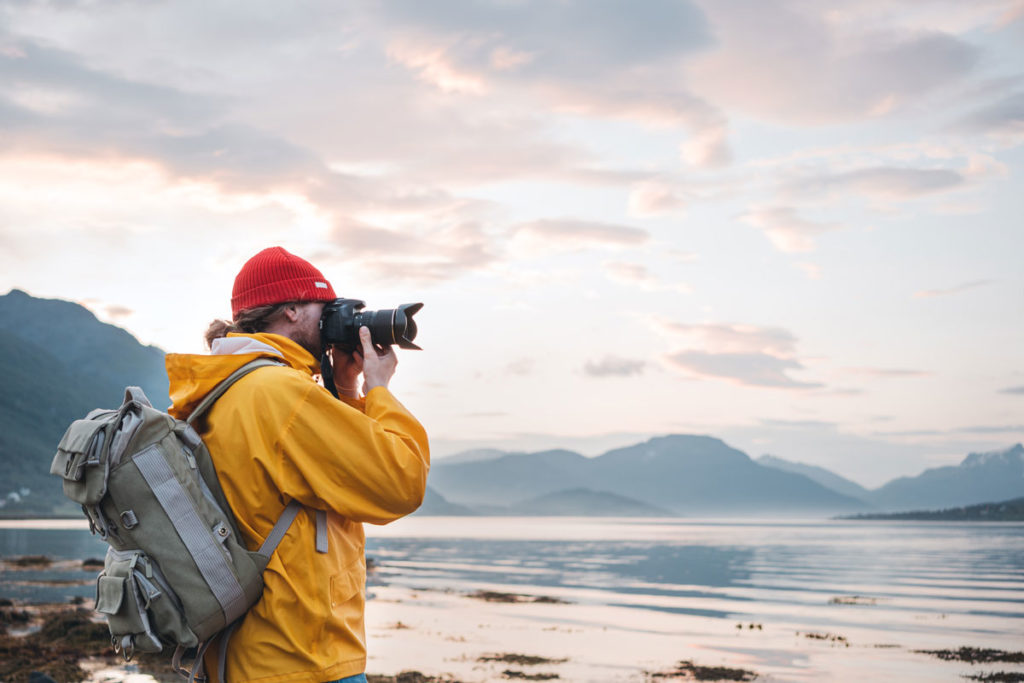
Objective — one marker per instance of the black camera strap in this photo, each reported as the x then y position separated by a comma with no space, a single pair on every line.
327,372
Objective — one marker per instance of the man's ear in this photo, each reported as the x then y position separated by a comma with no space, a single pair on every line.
291,312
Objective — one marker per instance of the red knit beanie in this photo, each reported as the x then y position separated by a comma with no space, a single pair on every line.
274,276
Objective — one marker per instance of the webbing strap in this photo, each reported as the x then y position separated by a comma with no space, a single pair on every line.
280,528
198,672
179,652
205,550
222,656
219,390
321,531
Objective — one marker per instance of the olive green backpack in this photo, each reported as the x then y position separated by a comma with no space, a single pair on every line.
176,571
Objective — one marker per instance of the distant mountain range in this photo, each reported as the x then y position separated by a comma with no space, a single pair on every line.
58,362
700,475
681,474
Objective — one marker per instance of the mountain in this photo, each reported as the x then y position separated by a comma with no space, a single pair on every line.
473,455
702,475
980,478
825,477
435,505
508,479
1005,511
585,503
680,473
58,363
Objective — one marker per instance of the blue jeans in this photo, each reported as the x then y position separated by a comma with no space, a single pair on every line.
358,678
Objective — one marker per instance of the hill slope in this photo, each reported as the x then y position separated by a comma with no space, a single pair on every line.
825,477
509,479
58,363
585,503
980,478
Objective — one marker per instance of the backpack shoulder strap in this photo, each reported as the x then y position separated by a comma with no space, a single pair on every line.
219,390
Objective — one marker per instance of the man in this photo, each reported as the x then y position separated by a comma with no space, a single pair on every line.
278,436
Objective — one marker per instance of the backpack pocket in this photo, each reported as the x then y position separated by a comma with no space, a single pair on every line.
133,595
80,463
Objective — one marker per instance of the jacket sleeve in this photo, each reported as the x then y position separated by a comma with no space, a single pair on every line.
367,466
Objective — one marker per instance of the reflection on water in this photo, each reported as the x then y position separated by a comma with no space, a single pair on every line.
907,577
64,579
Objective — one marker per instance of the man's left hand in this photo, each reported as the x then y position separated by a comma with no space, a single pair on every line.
347,368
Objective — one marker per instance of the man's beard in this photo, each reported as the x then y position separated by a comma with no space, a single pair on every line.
309,339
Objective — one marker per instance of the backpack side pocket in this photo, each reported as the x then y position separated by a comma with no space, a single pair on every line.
80,463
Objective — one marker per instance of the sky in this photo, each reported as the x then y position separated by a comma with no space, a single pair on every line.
791,225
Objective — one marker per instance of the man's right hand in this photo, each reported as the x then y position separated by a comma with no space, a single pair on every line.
378,364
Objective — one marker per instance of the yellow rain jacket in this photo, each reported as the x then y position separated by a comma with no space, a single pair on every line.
278,436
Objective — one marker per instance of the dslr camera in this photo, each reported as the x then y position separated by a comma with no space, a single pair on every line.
340,323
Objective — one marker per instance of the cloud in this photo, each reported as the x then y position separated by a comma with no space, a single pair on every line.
786,230
749,369
568,233
444,248
521,367
117,312
974,284
888,372
912,432
737,338
1002,119
613,366
653,198
991,429
800,424
434,68
639,275
1018,391
972,429
602,59
879,182
802,63
750,355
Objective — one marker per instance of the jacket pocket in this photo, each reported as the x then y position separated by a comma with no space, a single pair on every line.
348,584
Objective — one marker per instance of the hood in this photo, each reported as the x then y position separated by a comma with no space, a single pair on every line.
193,376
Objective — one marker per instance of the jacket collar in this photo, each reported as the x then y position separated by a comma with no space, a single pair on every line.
266,344
192,376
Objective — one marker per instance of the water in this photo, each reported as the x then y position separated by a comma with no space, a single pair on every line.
672,588
960,579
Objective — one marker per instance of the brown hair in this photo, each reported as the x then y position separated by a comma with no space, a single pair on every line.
250,321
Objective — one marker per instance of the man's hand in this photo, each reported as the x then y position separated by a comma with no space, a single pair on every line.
347,367
378,363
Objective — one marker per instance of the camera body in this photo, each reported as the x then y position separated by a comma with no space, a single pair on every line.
342,318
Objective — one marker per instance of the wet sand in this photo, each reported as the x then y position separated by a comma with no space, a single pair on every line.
461,637
426,636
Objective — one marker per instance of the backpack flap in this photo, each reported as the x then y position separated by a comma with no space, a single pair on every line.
80,461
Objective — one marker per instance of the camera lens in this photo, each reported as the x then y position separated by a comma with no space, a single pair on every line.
381,324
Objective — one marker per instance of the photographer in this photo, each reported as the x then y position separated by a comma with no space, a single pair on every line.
278,436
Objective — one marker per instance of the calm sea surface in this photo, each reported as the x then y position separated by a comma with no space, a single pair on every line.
928,585
901,576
